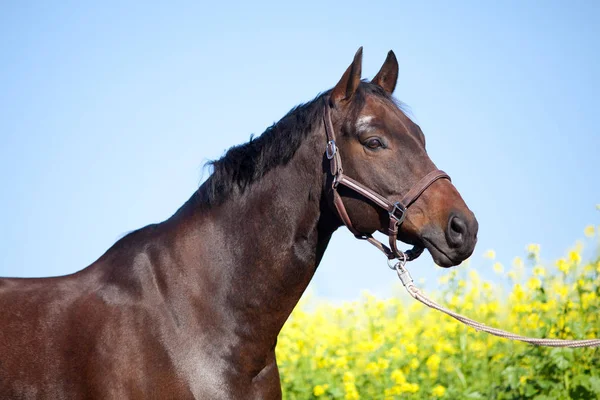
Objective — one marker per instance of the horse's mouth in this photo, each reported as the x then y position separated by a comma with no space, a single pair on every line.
439,256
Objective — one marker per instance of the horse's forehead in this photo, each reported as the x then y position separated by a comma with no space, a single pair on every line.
382,112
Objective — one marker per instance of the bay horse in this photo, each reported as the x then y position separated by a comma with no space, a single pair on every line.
190,308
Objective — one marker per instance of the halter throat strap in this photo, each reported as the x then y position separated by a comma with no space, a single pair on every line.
396,210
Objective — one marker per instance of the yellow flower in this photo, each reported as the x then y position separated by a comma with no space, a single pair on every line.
319,390
561,290
517,262
534,283
498,267
438,391
395,352
521,308
433,363
574,256
518,293
383,364
598,207
411,348
539,270
372,368
351,393
390,393
398,377
413,364
341,352
563,265
587,298
473,275
341,362
533,249
491,254
409,387
523,380
348,377
589,231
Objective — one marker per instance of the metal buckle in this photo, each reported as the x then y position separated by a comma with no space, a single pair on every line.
398,207
331,149
336,181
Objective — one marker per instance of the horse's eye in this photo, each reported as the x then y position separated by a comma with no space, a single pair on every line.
373,143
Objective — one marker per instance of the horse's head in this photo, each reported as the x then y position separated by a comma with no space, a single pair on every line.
384,150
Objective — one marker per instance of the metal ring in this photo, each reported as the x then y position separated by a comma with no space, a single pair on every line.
404,259
400,263
393,267
336,181
331,149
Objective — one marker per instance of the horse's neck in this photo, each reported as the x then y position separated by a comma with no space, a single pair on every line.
272,231
255,254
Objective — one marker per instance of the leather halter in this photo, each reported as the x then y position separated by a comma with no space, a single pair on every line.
396,211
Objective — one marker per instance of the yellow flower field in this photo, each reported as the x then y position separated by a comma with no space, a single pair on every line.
390,348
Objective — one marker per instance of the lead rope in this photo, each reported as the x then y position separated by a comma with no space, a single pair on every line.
408,283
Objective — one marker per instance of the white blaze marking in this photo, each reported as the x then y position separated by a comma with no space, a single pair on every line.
363,122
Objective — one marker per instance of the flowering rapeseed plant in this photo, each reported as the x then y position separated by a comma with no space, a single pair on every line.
390,348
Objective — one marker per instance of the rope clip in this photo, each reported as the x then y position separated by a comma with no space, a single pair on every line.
400,268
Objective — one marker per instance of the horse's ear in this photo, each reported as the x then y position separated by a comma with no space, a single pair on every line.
345,88
388,74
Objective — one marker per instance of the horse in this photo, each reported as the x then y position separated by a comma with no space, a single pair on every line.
190,308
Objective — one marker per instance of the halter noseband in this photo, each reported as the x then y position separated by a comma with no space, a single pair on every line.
396,211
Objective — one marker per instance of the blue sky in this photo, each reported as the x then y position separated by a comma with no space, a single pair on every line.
108,113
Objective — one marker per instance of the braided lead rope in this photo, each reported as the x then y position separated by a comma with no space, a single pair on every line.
408,283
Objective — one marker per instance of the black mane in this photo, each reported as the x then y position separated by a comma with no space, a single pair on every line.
246,163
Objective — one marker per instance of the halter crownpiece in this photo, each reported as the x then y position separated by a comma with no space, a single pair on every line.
396,210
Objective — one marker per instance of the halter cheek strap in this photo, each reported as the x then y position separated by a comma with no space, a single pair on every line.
396,211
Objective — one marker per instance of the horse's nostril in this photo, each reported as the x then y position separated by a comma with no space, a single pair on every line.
458,225
457,230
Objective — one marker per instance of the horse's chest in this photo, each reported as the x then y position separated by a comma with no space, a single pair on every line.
211,375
